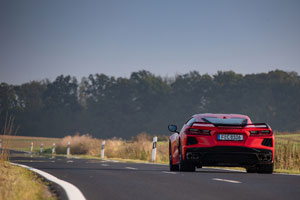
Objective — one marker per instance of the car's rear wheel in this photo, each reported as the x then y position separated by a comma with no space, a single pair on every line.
184,166
171,165
266,168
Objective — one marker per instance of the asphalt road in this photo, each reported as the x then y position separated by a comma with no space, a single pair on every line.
99,179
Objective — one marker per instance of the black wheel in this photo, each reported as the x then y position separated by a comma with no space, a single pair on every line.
172,167
183,166
252,169
266,168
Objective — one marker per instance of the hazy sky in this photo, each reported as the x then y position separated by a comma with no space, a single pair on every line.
45,38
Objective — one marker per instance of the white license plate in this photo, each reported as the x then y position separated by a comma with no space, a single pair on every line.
230,137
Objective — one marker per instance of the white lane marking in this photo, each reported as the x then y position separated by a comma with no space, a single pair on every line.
69,161
131,168
36,161
105,165
226,180
72,191
166,172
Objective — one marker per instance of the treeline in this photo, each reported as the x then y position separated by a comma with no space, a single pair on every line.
108,107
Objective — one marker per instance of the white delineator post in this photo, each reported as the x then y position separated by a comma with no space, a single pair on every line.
154,148
31,147
41,151
102,149
68,149
53,149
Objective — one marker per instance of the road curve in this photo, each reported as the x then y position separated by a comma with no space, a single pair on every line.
109,180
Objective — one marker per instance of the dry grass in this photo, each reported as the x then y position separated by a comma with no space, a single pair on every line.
24,142
80,145
138,148
7,130
19,183
287,151
16,182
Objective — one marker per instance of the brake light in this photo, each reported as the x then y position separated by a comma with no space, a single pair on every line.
194,131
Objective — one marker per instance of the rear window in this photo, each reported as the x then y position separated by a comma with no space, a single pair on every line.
229,121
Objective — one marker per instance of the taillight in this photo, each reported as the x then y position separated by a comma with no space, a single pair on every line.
254,132
265,132
194,131
260,132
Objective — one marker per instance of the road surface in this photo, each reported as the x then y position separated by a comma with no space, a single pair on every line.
100,179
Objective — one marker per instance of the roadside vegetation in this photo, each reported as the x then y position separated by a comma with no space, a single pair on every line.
17,182
108,106
23,143
287,152
139,148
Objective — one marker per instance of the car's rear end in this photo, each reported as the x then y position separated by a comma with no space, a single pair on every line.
229,140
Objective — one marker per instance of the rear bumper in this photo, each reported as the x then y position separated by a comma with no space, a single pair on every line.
228,156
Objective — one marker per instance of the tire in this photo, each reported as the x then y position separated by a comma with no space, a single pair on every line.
172,167
266,168
183,166
252,169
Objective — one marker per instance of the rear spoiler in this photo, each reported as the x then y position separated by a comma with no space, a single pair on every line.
253,125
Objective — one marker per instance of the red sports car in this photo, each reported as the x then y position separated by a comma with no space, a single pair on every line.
222,140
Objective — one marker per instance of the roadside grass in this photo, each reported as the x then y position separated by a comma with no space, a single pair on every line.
23,142
139,149
19,183
16,182
287,152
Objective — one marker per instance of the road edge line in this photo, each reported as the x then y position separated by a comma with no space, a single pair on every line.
73,193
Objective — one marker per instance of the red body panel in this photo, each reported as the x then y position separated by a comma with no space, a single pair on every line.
206,141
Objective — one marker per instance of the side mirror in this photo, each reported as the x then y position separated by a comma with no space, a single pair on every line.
172,128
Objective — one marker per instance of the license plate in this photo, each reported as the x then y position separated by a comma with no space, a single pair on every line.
230,137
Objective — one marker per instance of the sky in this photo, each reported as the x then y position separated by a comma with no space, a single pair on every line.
46,38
